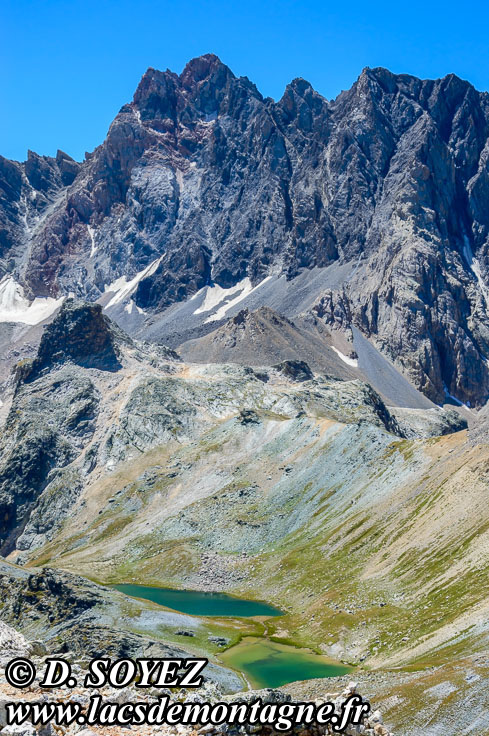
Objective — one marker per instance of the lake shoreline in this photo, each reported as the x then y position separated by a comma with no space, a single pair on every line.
261,660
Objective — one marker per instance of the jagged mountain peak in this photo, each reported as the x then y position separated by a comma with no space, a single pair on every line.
202,181
301,86
205,87
202,67
196,70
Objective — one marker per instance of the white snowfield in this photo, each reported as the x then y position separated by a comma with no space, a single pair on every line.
132,305
14,307
349,361
122,288
93,249
216,295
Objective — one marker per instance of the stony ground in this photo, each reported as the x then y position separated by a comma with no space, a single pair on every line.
13,645
446,700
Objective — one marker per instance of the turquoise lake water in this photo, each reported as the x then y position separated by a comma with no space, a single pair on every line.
264,663
199,603
269,664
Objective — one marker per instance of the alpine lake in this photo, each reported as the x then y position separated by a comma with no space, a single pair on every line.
264,663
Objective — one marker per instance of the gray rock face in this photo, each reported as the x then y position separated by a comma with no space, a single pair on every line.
82,334
72,614
27,192
201,180
50,422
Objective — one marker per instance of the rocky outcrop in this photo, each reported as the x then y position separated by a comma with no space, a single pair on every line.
73,616
51,422
371,724
296,370
64,608
80,334
12,644
428,422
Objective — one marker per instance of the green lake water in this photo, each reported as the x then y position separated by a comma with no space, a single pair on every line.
264,663
268,664
199,603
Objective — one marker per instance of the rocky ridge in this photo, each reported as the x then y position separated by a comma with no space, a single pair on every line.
203,183
69,616
93,398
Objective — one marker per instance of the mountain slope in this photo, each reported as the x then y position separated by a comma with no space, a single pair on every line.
366,524
203,182
263,337
235,478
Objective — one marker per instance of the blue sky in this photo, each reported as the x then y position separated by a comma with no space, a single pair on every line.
67,67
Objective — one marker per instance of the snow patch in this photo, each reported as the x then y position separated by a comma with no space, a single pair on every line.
349,361
179,178
92,238
122,288
227,298
245,289
448,395
132,305
214,295
475,267
15,307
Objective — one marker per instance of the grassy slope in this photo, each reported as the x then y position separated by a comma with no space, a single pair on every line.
357,535
375,547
